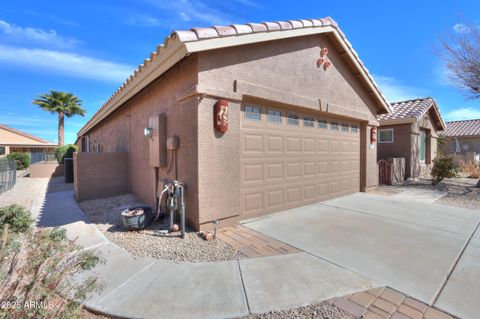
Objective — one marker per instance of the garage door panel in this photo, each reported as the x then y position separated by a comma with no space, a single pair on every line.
275,198
294,194
309,145
252,172
274,144
322,145
293,145
294,170
309,192
253,202
286,166
274,172
253,143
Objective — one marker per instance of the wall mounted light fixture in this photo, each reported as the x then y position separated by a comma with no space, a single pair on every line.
148,132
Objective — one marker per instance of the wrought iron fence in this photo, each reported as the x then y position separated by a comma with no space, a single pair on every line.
43,158
8,175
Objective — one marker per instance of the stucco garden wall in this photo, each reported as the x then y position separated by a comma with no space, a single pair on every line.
45,170
98,175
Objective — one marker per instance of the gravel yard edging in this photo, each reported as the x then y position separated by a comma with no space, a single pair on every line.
153,241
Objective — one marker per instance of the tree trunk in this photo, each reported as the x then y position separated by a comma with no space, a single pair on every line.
61,126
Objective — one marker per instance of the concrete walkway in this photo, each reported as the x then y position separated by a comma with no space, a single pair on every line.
137,287
428,251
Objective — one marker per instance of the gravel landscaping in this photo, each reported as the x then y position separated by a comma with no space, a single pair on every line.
24,192
322,310
461,192
153,241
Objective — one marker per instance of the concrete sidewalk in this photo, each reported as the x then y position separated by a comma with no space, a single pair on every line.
137,287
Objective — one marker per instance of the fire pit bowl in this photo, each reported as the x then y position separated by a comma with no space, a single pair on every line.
137,217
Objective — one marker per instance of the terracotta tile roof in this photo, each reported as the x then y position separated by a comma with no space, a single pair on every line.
169,53
412,109
408,109
463,128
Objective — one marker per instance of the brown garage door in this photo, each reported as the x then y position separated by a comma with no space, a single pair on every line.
291,159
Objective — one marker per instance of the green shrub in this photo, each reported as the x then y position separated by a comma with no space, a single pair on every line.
442,168
65,151
22,159
17,217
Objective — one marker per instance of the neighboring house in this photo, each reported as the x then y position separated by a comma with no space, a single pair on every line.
462,140
12,140
301,111
410,131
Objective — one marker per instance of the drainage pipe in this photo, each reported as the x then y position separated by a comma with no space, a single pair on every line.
165,189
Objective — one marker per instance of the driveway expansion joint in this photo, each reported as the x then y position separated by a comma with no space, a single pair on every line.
454,265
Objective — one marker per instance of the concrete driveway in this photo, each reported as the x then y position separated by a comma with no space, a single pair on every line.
430,252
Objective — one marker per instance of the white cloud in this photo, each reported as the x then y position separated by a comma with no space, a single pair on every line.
194,10
465,113
461,28
394,90
144,21
35,35
68,64
248,3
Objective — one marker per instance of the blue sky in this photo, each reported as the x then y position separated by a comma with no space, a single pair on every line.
90,47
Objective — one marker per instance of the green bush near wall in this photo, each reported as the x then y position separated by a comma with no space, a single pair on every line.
22,159
65,151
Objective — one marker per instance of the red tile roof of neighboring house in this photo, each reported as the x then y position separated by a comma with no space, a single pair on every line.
463,128
412,109
184,42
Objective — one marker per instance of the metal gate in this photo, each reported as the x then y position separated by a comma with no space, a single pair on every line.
384,172
8,175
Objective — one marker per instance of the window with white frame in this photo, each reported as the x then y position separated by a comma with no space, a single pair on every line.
322,124
354,128
252,113
292,119
345,127
274,116
308,121
334,126
385,135
422,146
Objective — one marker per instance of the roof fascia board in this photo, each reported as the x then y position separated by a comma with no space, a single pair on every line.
409,120
251,38
159,66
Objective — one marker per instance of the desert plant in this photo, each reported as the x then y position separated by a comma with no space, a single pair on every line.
22,159
17,217
35,267
470,168
62,103
442,168
65,151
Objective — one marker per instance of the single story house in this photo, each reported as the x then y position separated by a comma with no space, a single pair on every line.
13,140
410,131
462,140
256,118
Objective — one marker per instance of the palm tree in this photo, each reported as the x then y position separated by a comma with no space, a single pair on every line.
63,103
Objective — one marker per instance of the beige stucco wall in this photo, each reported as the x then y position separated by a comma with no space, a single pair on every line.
209,162
45,170
8,137
287,66
123,132
98,175
406,145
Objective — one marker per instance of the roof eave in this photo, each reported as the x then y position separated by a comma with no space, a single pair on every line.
177,52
